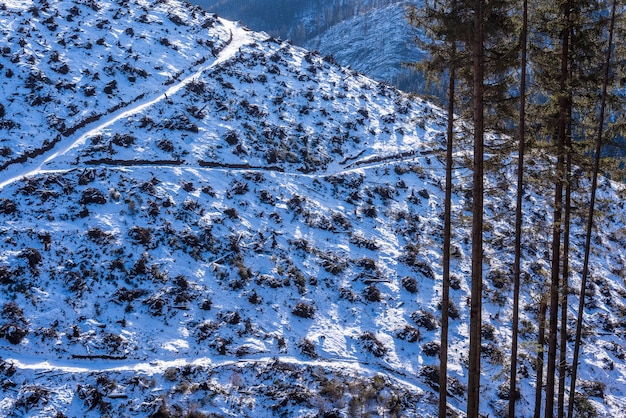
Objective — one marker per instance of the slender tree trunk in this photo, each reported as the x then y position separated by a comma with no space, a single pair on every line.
518,214
541,340
447,237
565,277
557,217
594,186
473,396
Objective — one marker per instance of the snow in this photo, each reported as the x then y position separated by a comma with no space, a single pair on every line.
215,238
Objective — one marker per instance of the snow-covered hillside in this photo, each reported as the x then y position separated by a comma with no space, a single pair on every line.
371,36
200,219
357,42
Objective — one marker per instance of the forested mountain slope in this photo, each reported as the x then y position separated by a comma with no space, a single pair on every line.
198,218
371,36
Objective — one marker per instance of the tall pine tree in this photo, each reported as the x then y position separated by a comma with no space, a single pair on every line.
518,209
442,25
590,219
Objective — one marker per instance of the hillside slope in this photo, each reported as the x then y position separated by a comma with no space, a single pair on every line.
349,30
244,228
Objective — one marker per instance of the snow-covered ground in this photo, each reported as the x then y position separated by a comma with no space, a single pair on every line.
251,230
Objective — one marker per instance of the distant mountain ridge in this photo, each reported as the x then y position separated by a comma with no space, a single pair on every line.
349,30
201,220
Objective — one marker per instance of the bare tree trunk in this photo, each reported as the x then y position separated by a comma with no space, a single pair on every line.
473,395
447,237
594,186
518,214
557,216
565,277
541,340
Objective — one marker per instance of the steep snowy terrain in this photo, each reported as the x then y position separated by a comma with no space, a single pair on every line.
356,42
371,36
200,219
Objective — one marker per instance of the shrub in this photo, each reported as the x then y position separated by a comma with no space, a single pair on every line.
425,269
92,195
32,256
372,344
348,294
231,317
425,319
298,278
498,278
307,348
488,332
333,264
584,407
593,389
165,145
453,311
408,333
455,282
410,284
6,275
303,310
266,197
367,263
370,211
98,235
240,187
31,396
363,242
231,138
7,206
89,91
503,391
123,140
187,186
493,354
231,213
86,177
110,86
141,235
431,348
254,298
12,312
372,294
196,86
431,375
13,332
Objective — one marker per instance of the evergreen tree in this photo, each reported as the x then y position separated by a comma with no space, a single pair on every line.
518,210
478,68
572,104
442,24
594,185
563,105
487,43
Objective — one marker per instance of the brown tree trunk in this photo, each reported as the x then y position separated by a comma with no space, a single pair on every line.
518,214
557,216
541,340
473,395
594,187
565,276
447,237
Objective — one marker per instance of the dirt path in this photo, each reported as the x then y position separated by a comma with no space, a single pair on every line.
37,164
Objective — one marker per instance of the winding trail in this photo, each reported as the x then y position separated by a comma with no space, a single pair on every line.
153,367
58,367
239,37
